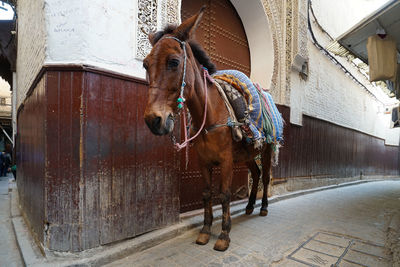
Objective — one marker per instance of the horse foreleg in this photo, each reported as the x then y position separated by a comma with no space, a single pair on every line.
226,180
205,232
266,165
255,174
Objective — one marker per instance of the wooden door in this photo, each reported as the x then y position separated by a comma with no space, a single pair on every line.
222,35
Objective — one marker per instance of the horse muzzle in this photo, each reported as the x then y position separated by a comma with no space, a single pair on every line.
158,125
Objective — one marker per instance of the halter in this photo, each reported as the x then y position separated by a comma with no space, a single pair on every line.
181,99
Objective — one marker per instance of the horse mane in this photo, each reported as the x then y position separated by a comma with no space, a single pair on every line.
199,53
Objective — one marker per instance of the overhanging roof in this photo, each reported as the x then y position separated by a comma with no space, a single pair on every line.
386,17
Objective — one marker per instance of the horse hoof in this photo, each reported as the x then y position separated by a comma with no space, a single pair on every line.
221,244
202,239
249,211
263,212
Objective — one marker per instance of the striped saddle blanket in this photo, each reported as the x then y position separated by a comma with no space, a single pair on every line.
261,115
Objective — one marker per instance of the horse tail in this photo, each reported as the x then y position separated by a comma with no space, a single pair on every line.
275,154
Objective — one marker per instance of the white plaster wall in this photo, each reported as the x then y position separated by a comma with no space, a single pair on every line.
259,37
339,16
95,32
31,44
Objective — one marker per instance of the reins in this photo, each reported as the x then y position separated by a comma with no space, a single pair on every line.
186,142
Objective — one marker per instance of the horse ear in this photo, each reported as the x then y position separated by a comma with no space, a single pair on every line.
186,30
154,37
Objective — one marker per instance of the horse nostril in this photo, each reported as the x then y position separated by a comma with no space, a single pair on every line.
156,122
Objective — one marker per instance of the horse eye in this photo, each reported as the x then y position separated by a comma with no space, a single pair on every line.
173,63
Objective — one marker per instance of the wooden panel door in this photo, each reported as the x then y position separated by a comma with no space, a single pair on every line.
222,35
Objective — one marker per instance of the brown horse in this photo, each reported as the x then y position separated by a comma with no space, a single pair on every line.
175,72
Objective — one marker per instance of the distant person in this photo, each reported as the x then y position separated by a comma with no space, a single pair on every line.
7,163
2,163
14,171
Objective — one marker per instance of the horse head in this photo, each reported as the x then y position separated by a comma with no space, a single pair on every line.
171,74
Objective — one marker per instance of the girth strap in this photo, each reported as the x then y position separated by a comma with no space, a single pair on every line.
229,123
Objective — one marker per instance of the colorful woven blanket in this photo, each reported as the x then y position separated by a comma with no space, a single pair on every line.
266,123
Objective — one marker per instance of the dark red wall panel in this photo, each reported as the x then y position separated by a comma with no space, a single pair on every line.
62,179
130,176
90,172
30,143
323,149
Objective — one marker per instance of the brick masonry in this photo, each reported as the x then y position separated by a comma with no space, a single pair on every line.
31,44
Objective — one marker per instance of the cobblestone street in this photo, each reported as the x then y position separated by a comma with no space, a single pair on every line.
344,226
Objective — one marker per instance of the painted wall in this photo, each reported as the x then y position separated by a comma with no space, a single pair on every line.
340,15
31,44
331,95
95,32
259,39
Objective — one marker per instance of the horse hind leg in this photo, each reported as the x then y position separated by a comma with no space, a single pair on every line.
266,176
226,180
205,232
255,174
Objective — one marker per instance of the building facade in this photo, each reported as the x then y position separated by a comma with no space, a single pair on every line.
89,171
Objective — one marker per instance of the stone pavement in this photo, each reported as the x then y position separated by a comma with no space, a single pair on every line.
9,253
345,226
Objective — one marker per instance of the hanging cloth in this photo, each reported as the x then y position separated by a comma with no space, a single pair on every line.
382,58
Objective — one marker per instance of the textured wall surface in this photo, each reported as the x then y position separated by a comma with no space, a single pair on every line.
329,94
321,149
31,44
30,146
89,170
96,32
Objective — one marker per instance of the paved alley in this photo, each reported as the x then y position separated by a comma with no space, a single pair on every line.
344,226
9,254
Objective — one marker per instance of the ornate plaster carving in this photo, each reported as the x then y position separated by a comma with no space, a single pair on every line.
147,22
299,45
273,9
154,15
169,12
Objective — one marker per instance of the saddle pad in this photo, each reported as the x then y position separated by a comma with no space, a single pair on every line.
236,100
265,120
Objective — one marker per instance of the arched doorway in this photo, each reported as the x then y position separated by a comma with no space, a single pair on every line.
222,34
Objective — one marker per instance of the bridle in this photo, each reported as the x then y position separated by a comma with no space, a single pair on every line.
181,101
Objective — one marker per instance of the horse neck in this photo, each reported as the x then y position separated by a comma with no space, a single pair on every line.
197,98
